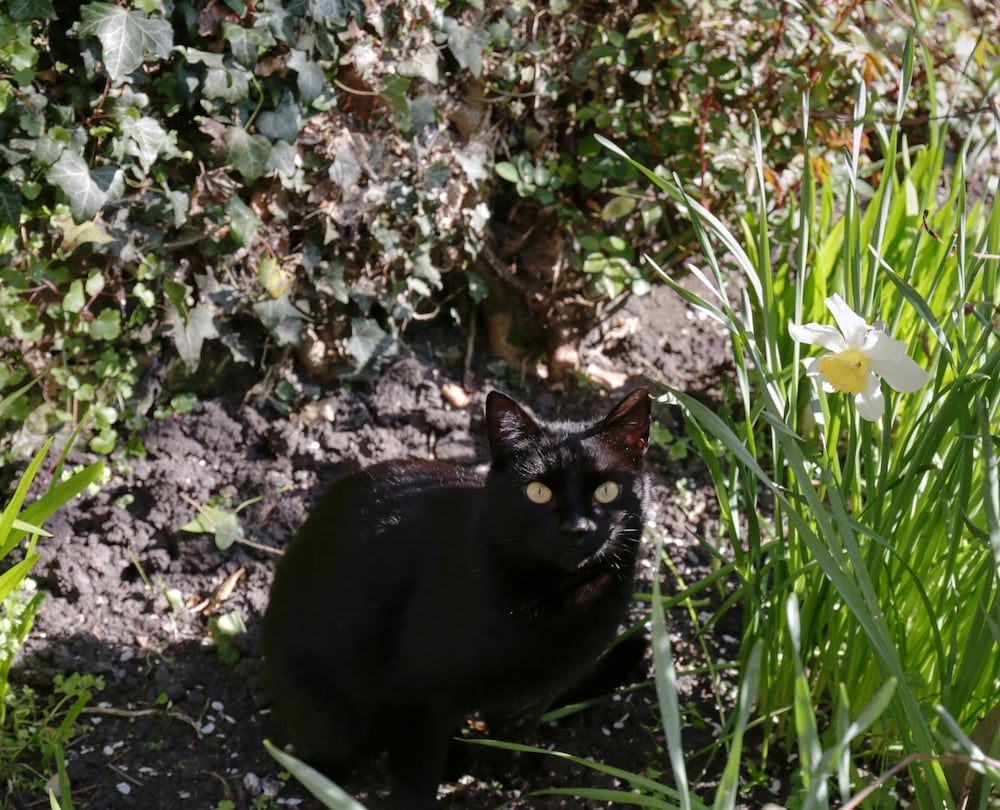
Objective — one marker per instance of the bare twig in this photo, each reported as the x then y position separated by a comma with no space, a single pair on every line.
133,713
125,775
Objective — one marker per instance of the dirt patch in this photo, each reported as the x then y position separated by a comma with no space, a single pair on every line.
175,726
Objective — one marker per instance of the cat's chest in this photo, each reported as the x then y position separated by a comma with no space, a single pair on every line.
485,642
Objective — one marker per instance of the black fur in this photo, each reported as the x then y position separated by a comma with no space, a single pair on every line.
419,591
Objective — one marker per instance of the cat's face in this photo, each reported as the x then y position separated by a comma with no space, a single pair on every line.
566,495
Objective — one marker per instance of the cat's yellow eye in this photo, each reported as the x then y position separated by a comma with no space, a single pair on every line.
537,492
607,492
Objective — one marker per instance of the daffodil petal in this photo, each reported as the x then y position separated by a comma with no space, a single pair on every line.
852,325
817,334
870,402
887,357
904,374
811,365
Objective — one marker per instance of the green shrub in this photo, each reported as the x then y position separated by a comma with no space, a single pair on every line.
226,182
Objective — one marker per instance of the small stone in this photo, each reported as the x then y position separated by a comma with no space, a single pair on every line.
124,788
455,395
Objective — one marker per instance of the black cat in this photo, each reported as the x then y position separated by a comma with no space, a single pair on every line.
418,591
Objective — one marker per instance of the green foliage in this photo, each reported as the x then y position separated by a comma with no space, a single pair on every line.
328,792
223,523
28,729
35,734
183,187
880,530
676,84
224,180
224,630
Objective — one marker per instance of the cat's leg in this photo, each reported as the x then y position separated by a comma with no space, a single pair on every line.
328,733
418,750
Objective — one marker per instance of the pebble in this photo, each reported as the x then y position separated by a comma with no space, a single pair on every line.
124,788
217,705
208,728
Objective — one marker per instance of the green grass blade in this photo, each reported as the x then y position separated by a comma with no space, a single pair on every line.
635,779
666,687
53,500
11,398
606,795
328,792
991,484
810,749
725,798
12,577
11,512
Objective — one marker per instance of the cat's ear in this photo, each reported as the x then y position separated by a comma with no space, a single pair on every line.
627,426
510,429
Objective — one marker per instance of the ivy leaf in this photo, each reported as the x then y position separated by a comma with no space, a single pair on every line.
282,124
335,11
311,79
273,277
125,36
246,43
190,335
31,9
281,319
244,222
229,84
179,204
87,233
368,341
10,204
467,45
248,153
282,159
215,520
86,190
176,292
422,65
147,140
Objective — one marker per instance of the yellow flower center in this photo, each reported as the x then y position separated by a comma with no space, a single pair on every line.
846,371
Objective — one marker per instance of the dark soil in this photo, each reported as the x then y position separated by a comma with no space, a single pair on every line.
113,555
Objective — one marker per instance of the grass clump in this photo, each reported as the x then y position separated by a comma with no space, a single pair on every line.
867,552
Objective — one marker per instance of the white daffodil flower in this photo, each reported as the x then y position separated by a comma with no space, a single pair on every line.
860,355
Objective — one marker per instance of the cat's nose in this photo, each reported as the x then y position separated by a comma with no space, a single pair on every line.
578,527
